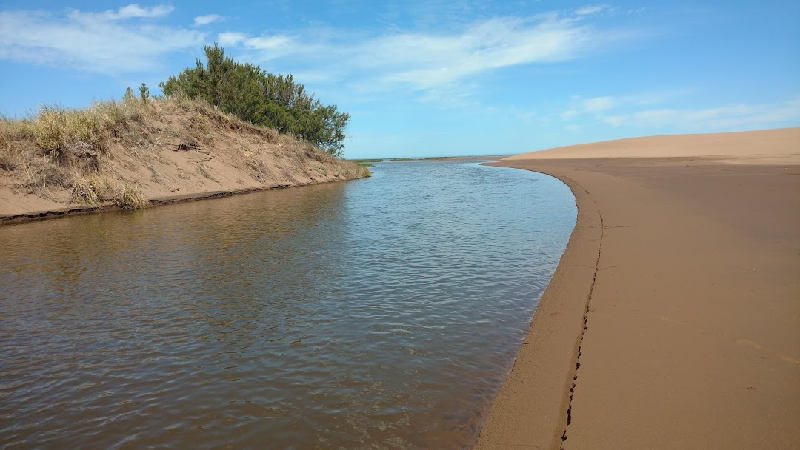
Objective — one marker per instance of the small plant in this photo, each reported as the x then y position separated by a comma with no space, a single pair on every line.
128,97
83,191
6,162
57,130
144,93
92,190
130,198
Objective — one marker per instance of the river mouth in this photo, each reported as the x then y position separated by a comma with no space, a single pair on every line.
374,313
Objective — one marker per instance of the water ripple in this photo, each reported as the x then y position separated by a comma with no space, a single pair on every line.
377,313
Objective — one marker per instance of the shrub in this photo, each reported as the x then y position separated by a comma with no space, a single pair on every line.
55,130
6,162
260,98
130,198
92,190
85,191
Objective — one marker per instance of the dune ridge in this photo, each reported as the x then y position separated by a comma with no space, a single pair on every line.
137,153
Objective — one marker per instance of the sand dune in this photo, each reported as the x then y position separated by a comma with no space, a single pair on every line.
164,151
673,319
755,147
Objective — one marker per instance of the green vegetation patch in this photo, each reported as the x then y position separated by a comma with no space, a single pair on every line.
367,162
261,98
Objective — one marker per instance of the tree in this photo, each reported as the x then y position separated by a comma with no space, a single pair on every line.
261,98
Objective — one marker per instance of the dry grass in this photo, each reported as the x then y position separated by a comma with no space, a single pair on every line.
98,155
58,148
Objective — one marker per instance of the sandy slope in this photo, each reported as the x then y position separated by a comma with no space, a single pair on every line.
692,336
174,150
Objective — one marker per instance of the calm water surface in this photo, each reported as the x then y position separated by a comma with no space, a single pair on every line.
376,313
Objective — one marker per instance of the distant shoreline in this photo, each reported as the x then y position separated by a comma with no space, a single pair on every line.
671,320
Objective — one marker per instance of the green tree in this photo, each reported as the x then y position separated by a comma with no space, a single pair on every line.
262,98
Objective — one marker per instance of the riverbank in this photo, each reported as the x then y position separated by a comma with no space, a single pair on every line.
135,154
672,319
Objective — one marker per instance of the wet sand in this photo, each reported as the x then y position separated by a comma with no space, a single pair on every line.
673,319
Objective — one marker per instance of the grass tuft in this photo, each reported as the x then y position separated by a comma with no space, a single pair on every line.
130,198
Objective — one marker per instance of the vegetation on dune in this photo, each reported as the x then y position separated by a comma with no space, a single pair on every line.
61,148
265,126
261,98
98,155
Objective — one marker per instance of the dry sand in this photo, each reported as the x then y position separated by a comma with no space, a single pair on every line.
173,151
675,309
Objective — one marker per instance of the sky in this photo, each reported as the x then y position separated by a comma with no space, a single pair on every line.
436,78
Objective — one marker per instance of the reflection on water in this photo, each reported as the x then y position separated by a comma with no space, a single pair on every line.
381,312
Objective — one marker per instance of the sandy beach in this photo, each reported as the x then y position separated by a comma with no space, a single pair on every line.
673,319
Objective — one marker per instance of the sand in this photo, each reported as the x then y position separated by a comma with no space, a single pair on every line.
172,151
675,310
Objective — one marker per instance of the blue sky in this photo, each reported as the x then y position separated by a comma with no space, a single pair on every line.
423,78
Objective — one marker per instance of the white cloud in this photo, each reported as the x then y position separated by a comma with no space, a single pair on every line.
230,38
105,42
591,9
268,42
134,10
568,114
736,116
652,110
425,60
597,104
429,61
591,105
130,11
207,19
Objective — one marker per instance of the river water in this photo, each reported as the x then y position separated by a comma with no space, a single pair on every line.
382,312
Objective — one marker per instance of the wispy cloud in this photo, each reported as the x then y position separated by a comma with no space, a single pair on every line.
126,12
112,41
734,116
427,61
597,106
654,111
591,9
207,19
269,43
230,38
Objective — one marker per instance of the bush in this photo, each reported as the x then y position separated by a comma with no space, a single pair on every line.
260,98
130,198
6,162
58,131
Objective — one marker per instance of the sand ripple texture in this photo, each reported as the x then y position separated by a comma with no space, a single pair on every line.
383,312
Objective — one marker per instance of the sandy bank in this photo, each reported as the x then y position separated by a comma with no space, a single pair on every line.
134,154
674,311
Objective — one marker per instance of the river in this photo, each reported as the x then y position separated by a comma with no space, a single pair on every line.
383,312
